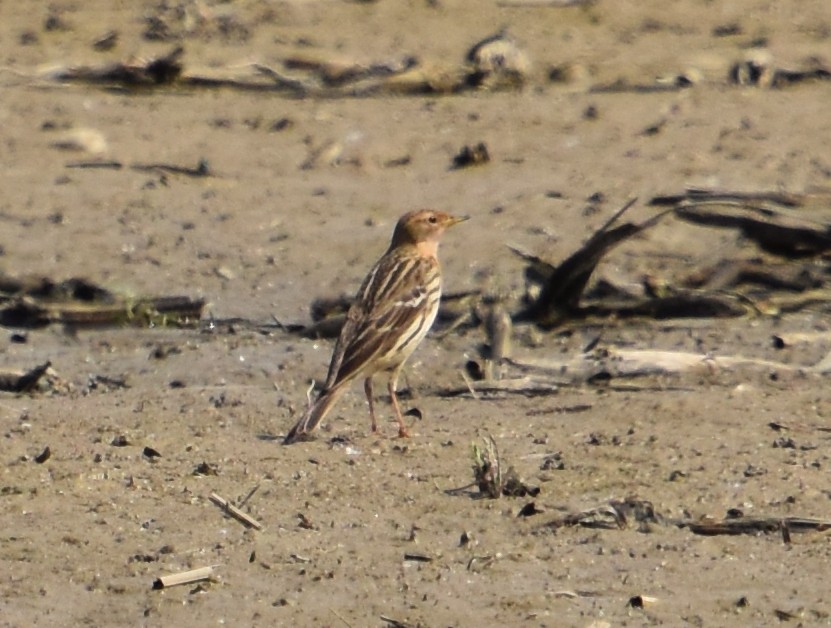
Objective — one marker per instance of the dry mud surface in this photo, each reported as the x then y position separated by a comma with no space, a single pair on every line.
84,534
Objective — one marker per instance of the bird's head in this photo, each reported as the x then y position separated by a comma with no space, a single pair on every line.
423,226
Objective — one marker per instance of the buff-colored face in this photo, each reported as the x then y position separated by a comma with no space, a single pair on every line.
424,225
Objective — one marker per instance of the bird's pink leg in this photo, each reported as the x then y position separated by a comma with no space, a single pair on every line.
402,428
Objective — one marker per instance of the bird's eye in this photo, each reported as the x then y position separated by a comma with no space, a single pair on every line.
432,220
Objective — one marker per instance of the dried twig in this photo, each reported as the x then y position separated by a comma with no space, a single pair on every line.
184,577
245,499
201,170
236,513
104,165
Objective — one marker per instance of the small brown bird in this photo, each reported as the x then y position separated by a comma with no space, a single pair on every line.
393,310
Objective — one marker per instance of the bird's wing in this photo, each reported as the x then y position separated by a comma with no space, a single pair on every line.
391,301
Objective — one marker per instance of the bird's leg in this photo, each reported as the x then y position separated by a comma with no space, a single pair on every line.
393,384
368,391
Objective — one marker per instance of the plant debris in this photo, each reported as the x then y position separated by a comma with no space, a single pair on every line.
23,381
184,577
620,514
489,478
36,302
231,510
563,285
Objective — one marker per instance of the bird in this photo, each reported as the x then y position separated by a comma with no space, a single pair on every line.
391,314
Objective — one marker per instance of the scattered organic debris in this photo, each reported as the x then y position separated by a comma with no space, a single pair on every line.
231,510
93,165
495,63
498,63
767,276
46,289
787,235
619,514
471,156
120,441
564,284
44,455
163,70
184,577
150,453
641,601
487,471
22,381
616,362
776,222
37,302
106,42
757,70
757,525
697,195
529,510
622,86
335,72
201,170
489,478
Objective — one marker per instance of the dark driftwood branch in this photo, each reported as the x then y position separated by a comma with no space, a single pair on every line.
764,226
757,525
17,382
730,274
564,286
31,303
697,195
163,70
201,170
768,218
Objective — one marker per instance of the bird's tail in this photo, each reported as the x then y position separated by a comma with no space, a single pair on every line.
313,416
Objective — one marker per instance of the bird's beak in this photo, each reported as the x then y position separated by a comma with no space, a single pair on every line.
455,220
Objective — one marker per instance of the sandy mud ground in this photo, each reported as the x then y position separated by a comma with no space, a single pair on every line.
358,529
